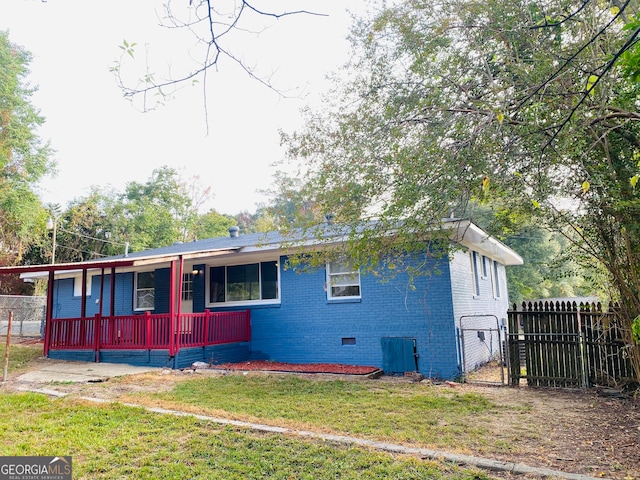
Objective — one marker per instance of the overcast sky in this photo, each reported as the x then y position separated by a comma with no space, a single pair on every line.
100,139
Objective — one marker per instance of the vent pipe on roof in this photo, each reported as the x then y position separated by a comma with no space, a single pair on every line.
234,231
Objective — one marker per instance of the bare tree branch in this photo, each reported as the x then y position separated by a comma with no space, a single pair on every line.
209,24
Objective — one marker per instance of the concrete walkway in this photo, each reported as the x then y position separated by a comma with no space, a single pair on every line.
80,372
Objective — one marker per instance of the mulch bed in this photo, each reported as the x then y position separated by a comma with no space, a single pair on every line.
270,366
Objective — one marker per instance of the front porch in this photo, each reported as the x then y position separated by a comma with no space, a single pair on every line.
174,341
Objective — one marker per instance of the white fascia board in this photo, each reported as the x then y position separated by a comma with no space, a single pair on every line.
463,232
142,262
473,237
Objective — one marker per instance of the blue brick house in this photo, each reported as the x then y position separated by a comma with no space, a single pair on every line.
234,298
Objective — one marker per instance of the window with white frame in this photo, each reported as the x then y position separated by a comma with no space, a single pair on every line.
343,280
187,286
77,285
144,291
486,266
495,279
474,273
253,282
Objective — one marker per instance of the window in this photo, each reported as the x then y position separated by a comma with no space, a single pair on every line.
77,285
343,280
495,279
485,266
187,286
474,273
244,283
145,291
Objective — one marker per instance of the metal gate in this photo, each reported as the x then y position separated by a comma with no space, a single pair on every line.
482,341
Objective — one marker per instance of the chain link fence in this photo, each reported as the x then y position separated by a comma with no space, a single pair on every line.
28,315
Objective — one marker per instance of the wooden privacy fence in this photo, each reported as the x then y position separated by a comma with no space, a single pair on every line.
566,345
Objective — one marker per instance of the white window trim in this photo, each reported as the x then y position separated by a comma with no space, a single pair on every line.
77,285
135,293
486,265
241,303
187,285
475,274
328,284
495,280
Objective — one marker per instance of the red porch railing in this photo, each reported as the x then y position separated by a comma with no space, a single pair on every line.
149,331
211,328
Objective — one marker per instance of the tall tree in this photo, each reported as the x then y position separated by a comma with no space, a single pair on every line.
24,158
549,269
534,102
156,213
87,229
159,212
213,224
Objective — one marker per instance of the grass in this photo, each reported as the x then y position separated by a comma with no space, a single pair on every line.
395,412
19,355
115,441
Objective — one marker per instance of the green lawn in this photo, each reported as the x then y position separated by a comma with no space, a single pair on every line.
19,355
396,412
113,441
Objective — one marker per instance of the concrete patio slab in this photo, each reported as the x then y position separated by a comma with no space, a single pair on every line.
81,372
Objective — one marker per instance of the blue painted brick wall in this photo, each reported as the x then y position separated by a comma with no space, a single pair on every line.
73,355
227,353
65,305
307,328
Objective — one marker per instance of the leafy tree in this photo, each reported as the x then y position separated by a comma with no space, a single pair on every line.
24,158
159,212
548,270
287,205
452,102
162,211
213,224
85,230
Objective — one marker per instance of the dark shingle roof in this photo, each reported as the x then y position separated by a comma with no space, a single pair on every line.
209,244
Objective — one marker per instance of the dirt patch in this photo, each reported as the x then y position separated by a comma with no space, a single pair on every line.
579,431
